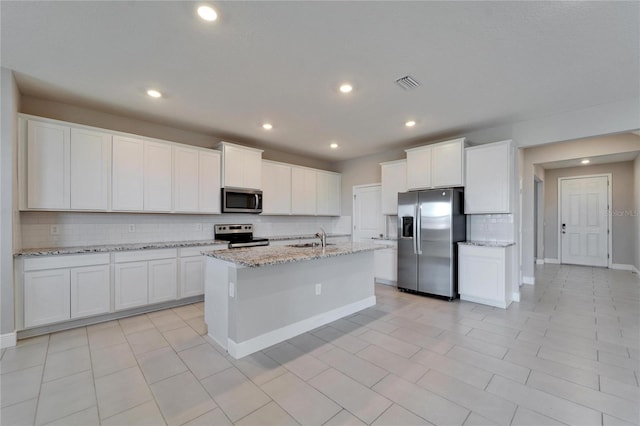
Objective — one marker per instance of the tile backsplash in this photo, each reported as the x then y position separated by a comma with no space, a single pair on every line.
63,229
490,227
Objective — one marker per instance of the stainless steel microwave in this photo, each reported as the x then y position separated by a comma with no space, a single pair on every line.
241,200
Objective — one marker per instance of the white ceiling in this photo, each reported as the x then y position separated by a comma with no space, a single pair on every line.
480,64
601,159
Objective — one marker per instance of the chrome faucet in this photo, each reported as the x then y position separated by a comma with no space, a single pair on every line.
323,237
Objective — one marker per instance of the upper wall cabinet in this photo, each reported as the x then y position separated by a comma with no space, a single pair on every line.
488,170
304,191
67,168
241,166
394,180
127,192
436,166
157,176
196,180
276,188
328,190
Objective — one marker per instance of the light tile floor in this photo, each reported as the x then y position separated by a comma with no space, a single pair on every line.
568,353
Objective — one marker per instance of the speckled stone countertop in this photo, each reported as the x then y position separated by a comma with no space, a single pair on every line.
115,247
494,244
301,237
276,255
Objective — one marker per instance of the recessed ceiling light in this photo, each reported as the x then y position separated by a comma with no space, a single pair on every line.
207,13
333,146
410,123
346,88
267,126
154,93
585,161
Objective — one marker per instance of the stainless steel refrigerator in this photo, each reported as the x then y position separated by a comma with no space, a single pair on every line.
430,223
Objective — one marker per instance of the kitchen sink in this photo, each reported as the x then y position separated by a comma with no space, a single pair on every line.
308,245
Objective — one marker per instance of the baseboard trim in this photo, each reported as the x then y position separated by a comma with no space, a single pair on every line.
504,304
8,340
385,282
539,261
554,261
239,350
623,267
515,296
528,280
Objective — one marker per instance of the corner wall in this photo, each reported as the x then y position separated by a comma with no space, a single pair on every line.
636,180
10,104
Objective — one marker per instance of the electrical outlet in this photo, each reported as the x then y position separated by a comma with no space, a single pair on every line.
198,227
232,290
132,227
318,289
55,230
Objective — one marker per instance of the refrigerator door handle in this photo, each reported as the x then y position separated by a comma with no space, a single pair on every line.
417,234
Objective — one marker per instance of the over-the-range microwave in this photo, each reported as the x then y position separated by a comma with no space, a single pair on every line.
241,200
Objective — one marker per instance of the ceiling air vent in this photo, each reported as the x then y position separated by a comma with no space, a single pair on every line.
407,82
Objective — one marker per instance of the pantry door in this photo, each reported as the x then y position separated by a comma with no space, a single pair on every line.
584,220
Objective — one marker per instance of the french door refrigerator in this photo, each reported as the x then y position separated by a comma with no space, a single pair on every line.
430,224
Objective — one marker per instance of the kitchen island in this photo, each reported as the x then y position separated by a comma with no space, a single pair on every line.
259,296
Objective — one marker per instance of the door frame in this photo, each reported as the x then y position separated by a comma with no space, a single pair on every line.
353,205
609,216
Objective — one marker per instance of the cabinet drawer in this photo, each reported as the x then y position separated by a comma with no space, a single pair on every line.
142,255
64,261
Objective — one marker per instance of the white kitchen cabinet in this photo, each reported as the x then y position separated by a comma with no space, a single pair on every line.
192,276
241,166
328,193
436,166
303,191
163,280
46,297
276,188
489,170
484,274
48,166
157,176
209,181
419,167
447,160
196,180
90,168
90,291
130,285
127,168
394,180
386,262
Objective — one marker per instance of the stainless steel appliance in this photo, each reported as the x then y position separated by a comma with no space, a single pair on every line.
241,200
430,223
239,236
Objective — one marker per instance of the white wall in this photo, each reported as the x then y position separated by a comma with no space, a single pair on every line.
623,226
636,180
10,102
591,147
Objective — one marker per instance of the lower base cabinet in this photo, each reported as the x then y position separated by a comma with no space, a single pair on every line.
192,276
46,297
130,285
90,291
386,263
484,275
163,280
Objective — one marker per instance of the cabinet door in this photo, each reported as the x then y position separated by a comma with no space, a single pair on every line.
185,179
446,164
394,180
488,178
157,177
482,273
233,166
130,285
90,164
48,169
419,168
252,169
303,191
163,280
127,192
276,188
328,194
90,291
46,297
209,182
385,267
192,276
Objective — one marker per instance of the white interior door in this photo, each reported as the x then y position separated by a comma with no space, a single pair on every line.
367,212
584,220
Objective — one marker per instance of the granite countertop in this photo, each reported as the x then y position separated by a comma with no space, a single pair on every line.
115,247
384,239
276,255
495,244
301,237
